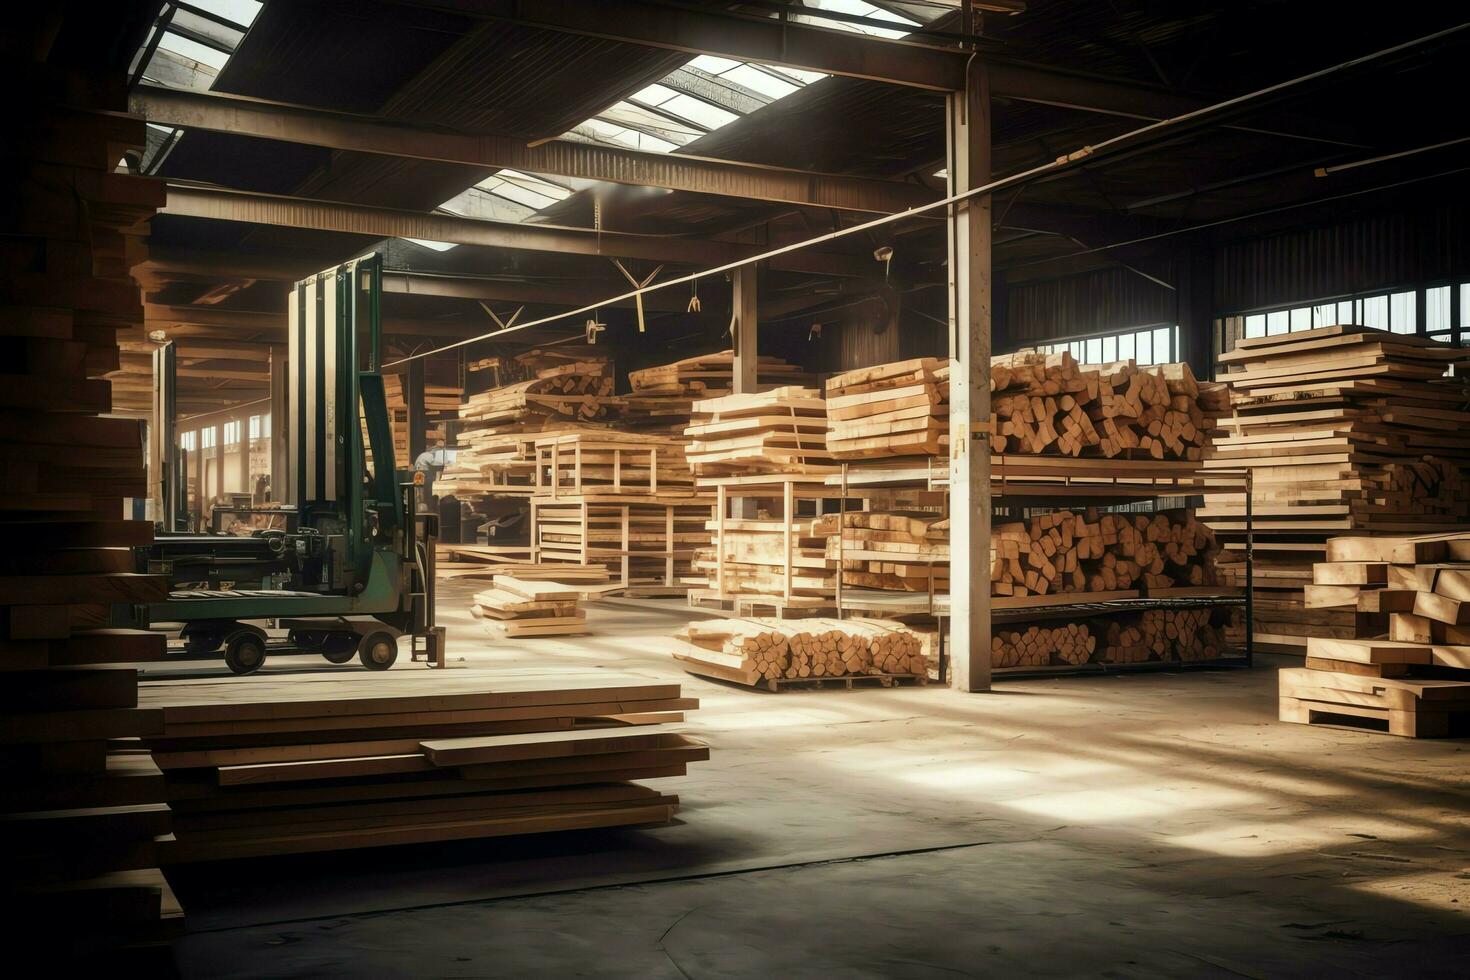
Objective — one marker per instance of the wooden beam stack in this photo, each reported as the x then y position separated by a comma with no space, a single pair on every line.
898,409
441,403
539,600
606,461
757,567
268,767
1413,681
755,650
1346,429
82,805
900,550
783,430
663,397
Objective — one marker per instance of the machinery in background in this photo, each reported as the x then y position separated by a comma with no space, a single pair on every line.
350,565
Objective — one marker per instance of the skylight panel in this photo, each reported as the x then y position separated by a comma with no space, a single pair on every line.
713,65
766,84
194,50
901,25
699,111
647,121
604,132
434,246
654,95
242,12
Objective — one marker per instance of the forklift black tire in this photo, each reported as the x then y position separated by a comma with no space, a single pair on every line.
378,651
198,644
245,652
339,656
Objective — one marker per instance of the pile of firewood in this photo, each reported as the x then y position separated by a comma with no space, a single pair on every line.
1038,646
1163,634
1064,552
756,649
1048,404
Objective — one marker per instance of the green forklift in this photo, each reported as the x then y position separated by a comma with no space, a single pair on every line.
348,566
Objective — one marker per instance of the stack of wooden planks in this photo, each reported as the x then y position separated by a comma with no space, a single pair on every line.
539,600
661,399
901,550
1346,429
763,651
441,403
783,430
898,409
264,765
499,428
83,804
769,561
648,543
1415,681
605,461
1048,404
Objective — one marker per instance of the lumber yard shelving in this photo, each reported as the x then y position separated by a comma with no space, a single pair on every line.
1022,484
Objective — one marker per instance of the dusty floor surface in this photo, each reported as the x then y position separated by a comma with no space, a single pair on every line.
1134,826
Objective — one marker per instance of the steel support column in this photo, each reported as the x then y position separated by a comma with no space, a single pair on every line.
968,138
1194,298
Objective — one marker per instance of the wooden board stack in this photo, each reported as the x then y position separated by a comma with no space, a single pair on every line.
783,430
762,652
607,462
898,409
1346,429
648,543
82,802
441,403
668,391
499,427
898,550
1048,404
257,766
757,567
1416,681
539,600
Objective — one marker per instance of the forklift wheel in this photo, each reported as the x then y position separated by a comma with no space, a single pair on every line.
378,651
201,643
245,652
339,656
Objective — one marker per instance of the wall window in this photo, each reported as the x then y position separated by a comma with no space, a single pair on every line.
207,437
232,432
1398,311
188,441
1149,345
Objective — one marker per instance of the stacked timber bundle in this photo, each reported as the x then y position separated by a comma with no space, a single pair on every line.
1048,404
662,398
1415,681
898,409
899,550
1040,646
499,427
1346,429
265,767
441,403
1067,552
539,600
1165,634
756,651
783,430
83,802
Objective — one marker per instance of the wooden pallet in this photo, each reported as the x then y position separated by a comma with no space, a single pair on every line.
1411,707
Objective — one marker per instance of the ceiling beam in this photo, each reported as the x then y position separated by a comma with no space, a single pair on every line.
240,115
235,324
702,30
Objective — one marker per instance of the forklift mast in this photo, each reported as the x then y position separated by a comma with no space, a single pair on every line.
342,481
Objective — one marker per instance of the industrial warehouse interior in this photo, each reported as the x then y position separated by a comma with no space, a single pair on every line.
691,488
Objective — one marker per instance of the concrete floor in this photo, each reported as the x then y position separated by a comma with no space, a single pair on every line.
1142,825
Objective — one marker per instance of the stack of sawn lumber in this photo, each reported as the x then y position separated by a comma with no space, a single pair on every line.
539,600
499,428
83,805
756,562
755,650
1347,430
897,409
1416,679
441,403
783,430
895,550
608,462
261,766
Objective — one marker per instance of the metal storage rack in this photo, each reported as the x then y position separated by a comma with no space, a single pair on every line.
1019,482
